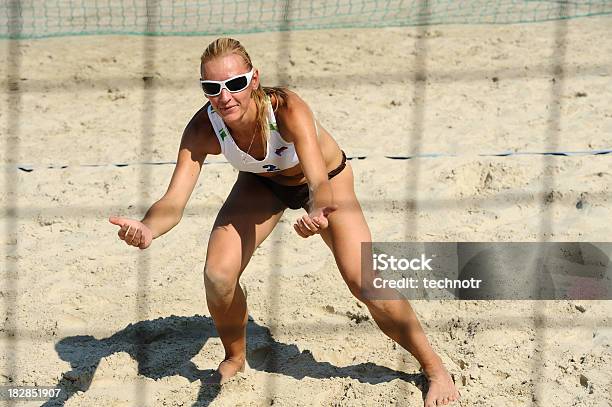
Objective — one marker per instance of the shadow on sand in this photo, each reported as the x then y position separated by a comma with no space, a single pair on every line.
164,347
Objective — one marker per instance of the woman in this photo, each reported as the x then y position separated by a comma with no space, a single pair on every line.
286,160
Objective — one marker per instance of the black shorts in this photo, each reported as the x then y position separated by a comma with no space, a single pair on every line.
296,196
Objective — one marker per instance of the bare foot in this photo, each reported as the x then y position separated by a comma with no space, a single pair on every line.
226,370
442,390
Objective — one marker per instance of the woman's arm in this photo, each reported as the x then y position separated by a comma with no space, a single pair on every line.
167,212
197,141
298,124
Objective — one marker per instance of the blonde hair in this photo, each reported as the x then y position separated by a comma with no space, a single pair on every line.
227,46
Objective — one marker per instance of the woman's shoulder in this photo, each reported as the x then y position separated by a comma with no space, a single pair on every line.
287,103
200,122
293,116
200,130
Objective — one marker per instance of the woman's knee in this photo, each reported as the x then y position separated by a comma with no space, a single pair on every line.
220,280
364,290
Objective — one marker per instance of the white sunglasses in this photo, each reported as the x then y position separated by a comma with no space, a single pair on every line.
234,84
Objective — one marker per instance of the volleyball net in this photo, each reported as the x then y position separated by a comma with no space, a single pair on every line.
40,19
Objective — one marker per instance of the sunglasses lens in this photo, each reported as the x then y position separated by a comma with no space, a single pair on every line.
237,84
211,88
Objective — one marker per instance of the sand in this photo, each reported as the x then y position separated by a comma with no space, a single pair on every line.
83,300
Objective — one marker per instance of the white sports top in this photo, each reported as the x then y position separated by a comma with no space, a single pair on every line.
280,154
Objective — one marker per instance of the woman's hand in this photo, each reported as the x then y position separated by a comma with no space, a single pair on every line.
314,222
133,232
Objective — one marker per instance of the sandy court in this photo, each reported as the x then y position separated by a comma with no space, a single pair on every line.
84,300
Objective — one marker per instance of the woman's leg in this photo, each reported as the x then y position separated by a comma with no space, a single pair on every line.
395,317
247,217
